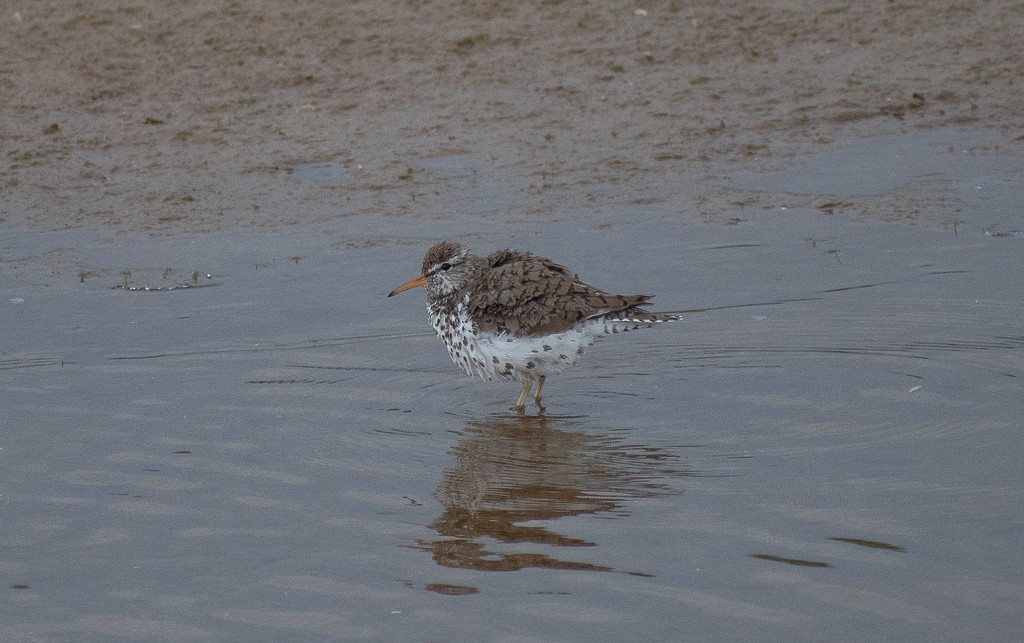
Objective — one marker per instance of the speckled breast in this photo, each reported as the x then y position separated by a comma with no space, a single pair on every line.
504,356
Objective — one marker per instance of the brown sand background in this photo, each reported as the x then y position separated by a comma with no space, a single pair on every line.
186,116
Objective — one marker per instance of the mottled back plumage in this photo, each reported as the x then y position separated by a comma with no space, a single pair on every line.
523,294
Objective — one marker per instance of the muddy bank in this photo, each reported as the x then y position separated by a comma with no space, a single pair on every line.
194,116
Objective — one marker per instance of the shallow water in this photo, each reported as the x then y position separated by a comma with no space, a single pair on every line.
827,446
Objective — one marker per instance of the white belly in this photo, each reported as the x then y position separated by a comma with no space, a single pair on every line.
504,357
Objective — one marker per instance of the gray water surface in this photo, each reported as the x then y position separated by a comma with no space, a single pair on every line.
828,446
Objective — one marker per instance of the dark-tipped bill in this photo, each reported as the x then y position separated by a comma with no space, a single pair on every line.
409,285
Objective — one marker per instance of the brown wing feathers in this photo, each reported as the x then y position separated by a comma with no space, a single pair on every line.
523,294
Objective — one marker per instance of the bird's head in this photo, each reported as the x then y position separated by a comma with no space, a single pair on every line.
447,267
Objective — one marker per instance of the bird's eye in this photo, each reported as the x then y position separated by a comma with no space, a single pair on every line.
446,266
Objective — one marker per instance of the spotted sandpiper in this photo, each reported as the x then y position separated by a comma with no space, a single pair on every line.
513,314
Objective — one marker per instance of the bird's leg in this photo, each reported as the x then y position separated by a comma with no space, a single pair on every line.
540,385
527,383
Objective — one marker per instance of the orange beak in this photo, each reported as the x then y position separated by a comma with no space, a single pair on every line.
409,285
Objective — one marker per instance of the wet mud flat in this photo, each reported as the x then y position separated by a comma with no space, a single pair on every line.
190,117
233,434
216,427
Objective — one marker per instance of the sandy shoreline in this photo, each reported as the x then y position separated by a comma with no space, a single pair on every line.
190,117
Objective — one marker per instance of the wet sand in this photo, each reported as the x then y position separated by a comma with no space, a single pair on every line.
217,427
190,117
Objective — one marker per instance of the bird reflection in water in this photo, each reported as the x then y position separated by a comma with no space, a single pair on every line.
514,471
